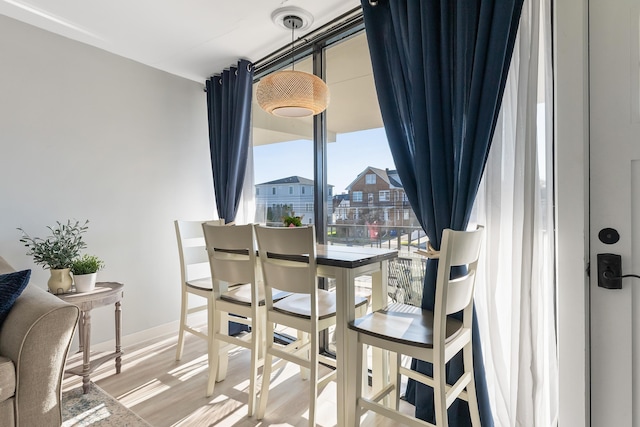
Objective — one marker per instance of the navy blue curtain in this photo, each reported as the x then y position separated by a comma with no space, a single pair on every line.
229,111
440,67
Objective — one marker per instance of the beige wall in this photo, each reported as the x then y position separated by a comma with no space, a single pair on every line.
87,134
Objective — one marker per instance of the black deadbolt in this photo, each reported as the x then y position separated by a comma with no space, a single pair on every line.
609,236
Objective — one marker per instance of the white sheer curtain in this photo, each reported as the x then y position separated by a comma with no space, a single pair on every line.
515,296
247,207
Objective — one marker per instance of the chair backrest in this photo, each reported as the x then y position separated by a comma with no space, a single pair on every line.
288,258
194,262
458,248
232,255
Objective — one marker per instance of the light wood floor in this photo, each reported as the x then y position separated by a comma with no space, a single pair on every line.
166,392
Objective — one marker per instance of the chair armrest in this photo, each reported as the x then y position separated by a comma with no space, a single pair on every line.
36,335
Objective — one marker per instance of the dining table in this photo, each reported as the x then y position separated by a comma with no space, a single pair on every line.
345,264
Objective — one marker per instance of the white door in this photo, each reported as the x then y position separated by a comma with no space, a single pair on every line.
614,74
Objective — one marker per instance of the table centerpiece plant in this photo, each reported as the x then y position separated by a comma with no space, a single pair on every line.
292,221
57,252
85,272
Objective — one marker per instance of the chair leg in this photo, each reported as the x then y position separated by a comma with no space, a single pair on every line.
183,321
313,380
394,376
474,411
223,351
213,345
360,355
266,373
303,338
439,392
256,341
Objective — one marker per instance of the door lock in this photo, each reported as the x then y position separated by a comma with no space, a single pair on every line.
610,271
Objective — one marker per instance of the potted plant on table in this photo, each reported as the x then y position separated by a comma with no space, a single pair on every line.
292,221
85,272
57,252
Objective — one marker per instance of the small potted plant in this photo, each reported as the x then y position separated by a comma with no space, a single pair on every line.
85,272
292,221
57,252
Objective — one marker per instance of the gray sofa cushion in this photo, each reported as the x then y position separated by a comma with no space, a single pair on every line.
7,378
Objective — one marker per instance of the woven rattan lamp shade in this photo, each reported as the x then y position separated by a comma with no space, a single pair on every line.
292,94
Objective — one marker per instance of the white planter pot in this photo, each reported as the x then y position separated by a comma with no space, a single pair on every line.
85,282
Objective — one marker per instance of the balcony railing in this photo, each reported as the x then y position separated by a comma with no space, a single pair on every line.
405,239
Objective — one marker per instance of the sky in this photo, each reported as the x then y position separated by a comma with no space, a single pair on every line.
347,157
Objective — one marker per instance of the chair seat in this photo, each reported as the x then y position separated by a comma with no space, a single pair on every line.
300,304
201,284
241,294
404,324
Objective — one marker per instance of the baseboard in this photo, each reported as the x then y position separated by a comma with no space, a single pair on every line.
161,331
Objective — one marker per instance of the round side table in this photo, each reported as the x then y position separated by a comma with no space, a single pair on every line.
105,293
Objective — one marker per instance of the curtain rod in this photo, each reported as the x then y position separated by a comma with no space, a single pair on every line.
338,28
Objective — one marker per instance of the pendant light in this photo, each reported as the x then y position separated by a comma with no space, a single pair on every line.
291,93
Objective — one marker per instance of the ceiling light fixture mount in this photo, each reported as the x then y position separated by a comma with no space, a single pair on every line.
292,93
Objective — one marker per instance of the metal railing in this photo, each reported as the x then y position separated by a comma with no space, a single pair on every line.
405,239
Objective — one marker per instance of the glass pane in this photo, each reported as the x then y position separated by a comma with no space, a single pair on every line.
369,207
283,165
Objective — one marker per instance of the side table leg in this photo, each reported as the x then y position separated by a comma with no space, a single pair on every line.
81,333
118,334
86,350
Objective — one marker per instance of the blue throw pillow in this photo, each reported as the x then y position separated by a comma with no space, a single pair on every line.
11,286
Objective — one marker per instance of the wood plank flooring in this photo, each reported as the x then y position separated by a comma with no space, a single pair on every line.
166,392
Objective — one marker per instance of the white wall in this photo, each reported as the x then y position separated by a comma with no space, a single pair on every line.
89,135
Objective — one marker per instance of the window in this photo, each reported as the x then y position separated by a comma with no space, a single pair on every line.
273,190
257,191
354,149
290,190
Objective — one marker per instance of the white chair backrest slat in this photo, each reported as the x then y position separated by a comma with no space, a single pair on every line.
458,248
287,256
194,261
231,251
460,293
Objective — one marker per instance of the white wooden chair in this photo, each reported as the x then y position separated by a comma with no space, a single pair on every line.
288,259
432,336
196,280
237,291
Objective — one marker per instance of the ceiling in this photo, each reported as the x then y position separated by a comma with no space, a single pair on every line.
189,38
195,39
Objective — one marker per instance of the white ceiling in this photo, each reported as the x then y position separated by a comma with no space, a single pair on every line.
190,38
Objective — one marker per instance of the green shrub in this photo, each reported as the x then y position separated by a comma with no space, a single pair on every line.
60,249
88,264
